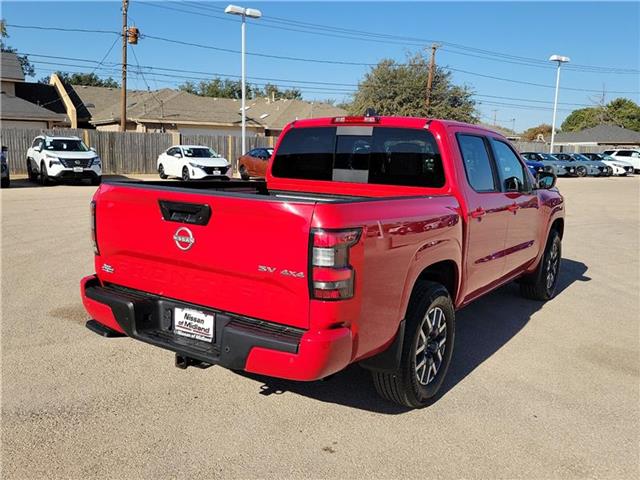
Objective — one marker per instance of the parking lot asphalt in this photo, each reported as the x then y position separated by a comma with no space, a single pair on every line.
534,391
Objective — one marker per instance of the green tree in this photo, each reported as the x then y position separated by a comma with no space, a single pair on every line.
391,88
88,79
218,88
532,133
273,91
27,68
621,111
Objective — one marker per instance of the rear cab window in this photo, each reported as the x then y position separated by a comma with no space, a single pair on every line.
361,154
477,162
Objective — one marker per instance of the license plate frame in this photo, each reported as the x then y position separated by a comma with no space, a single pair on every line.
77,169
195,324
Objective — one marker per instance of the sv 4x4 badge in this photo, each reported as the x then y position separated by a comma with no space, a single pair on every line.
286,273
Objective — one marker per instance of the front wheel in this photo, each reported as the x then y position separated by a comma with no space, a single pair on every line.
185,174
581,171
44,176
244,175
541,284
5,182
161,172
30,173
95,181
426,351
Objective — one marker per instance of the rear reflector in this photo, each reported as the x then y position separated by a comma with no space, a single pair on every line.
94,238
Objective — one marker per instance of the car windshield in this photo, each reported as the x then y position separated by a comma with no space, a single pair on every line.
200,152
579,157
60,145
548,157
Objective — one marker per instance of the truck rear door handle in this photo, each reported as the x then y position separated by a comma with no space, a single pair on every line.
513,207
478,213
191,213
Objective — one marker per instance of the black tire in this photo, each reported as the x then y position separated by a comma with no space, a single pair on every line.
163,175
32,176
185,174
244,175
581,171
95,181
541,284
406,385
44,176
5,182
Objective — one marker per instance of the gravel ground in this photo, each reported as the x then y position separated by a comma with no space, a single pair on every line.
534,391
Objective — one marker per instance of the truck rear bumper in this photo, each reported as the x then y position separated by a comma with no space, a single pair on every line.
239,343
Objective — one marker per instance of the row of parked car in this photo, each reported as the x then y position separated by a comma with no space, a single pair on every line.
53,158
610,162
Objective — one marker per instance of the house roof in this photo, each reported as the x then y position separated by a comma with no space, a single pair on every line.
42,95
602,134
20,109
10,67
274,115
174,106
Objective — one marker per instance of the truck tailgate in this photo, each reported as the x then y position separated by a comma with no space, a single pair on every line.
250,258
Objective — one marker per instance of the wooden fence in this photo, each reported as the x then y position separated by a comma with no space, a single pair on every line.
133,152
125,152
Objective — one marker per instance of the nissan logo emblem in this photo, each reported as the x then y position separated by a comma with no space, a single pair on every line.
184,238
77,162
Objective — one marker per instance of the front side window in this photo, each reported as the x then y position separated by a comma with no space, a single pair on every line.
510,169
373,155
62,145
477,163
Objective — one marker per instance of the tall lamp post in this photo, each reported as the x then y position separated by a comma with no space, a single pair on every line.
559,59
244,13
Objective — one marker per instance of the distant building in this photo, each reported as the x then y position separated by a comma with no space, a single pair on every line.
605,134
25,104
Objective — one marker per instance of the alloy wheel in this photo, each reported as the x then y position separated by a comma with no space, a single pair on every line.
553,263
432,338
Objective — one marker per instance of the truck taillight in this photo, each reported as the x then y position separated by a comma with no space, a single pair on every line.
332,276
94,238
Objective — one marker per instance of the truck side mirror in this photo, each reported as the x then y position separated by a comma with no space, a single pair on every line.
93,149
546,180
513,184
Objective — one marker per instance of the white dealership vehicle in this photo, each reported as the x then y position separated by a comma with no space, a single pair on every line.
631,155
60,158
619,167
190,162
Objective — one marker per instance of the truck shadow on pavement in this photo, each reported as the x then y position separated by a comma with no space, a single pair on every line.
482,328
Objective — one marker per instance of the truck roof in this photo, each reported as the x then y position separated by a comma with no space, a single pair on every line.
386,121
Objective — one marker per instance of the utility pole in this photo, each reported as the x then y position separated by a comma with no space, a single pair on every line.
495,118
432,65
513,124
123,95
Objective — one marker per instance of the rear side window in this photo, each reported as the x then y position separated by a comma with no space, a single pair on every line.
361,154
477,163
624,153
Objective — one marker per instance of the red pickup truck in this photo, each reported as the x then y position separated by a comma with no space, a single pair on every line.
368,233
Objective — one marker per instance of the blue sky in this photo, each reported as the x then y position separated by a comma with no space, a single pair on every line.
592,34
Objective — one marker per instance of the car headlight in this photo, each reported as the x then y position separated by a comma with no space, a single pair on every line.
95,162
196,165
53,160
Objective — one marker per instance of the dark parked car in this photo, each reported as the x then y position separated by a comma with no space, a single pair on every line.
254,163
551,163
583,166
6,179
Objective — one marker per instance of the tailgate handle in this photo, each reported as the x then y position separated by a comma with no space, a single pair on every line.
191,213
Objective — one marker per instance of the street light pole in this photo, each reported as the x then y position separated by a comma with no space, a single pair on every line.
244,86
560,60
244,13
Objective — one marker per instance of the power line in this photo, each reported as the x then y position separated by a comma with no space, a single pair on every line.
151,70
388,38
61,29
106,54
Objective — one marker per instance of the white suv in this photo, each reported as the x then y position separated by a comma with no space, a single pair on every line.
60,158
630,155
